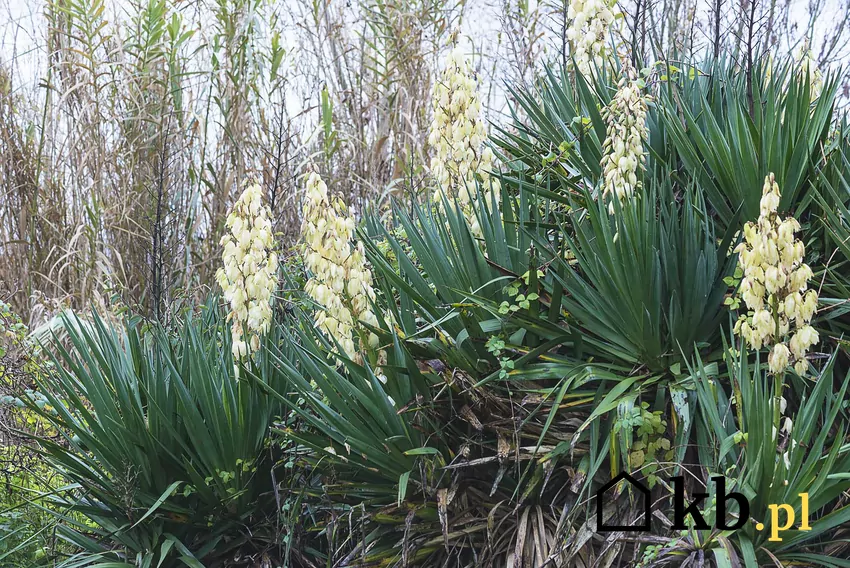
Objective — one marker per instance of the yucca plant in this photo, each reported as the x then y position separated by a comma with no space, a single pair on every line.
727,138
528,363
735,437
166,454
834,200
456,282
703,128
455,456
645,285
553,281
557,130
424,468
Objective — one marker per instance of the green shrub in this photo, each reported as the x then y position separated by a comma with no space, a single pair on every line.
166,453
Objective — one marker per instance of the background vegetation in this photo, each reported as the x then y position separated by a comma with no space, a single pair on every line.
128,127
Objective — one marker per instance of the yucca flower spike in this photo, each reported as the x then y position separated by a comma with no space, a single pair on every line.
341,280
626,131
590,22
774,287
809,67
248,275
458,136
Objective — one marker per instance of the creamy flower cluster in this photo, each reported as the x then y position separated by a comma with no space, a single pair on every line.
626,130
590,21
341,281
809,68
248,276
775,287
457,135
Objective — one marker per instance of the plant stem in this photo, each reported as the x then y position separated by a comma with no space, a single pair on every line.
778,386
778,378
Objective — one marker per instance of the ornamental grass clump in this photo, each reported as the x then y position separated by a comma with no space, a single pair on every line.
590,21
248,276
461,158
341,281
775,287
626,130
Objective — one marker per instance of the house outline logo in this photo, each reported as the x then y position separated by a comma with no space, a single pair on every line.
647,507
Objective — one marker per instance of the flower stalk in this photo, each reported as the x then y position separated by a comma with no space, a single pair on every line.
775,290
623,153
341,280
590,22
248,276
461,159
